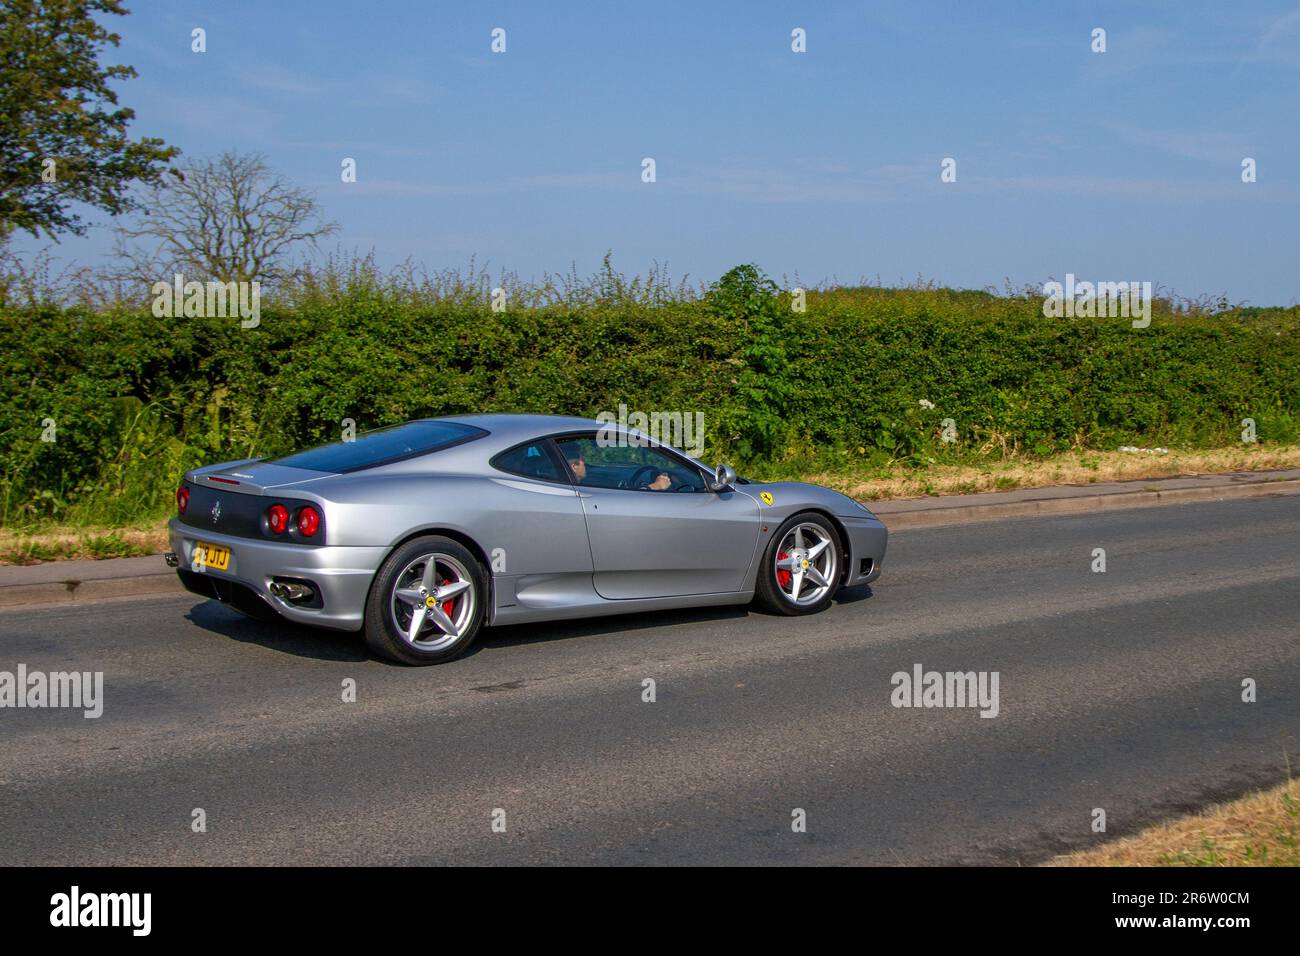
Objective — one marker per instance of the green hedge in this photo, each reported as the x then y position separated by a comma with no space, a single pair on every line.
137,399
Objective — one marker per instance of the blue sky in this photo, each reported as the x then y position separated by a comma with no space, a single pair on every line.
1117,166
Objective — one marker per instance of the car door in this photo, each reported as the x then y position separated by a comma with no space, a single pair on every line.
644,543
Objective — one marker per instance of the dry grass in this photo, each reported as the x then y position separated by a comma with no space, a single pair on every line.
901,481
1071,468
59,544
1260,830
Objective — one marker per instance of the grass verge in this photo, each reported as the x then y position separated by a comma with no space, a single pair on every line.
1069,468
900,480
1259,830
63,543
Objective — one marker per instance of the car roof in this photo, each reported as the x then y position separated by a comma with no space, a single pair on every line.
511,428
499,433
507,430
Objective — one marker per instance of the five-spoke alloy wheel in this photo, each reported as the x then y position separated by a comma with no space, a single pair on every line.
801,566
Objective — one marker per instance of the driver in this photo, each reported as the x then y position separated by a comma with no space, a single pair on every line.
661,483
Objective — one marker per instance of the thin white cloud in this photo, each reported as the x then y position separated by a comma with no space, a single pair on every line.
1125,187
277,79
837,184
403,188
1284,29
1210,145
1280,41
220,115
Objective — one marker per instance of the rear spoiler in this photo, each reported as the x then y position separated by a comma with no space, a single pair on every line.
251,476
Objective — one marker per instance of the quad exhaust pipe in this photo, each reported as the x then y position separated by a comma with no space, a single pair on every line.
291,590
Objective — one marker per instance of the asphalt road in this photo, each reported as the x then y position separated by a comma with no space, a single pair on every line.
1119,690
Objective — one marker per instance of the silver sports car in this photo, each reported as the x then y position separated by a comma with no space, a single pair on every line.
422,533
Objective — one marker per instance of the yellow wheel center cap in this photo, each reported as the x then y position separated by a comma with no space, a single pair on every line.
805,564
430,601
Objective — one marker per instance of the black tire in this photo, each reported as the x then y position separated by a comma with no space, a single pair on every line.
381,629
768,592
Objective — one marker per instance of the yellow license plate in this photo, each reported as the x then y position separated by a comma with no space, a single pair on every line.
211,556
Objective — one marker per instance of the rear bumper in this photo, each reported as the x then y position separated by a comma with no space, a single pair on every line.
868,538
341,576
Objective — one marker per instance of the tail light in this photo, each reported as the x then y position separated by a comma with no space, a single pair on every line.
277,518
308,521
182,499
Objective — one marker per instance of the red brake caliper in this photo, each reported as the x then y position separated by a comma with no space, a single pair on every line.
782,574
449,605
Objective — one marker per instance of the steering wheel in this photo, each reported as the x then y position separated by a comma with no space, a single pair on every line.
651,471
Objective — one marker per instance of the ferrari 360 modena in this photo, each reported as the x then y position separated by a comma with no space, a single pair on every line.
419,535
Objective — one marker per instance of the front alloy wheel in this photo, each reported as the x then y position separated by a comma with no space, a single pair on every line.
805,564
801,568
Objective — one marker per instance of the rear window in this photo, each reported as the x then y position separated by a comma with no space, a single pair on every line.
383,446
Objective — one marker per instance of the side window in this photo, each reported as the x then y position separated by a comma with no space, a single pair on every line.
529,461
601,464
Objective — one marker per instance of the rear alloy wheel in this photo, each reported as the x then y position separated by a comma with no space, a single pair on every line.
800,573
427,602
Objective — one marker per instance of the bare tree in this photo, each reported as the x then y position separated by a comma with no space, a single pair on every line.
228,219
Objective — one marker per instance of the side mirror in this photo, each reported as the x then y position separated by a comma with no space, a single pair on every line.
723,478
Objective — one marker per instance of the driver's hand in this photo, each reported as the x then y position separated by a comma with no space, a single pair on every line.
662,483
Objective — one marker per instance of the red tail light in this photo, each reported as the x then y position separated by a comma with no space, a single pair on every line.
182,499
308,521
277,518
